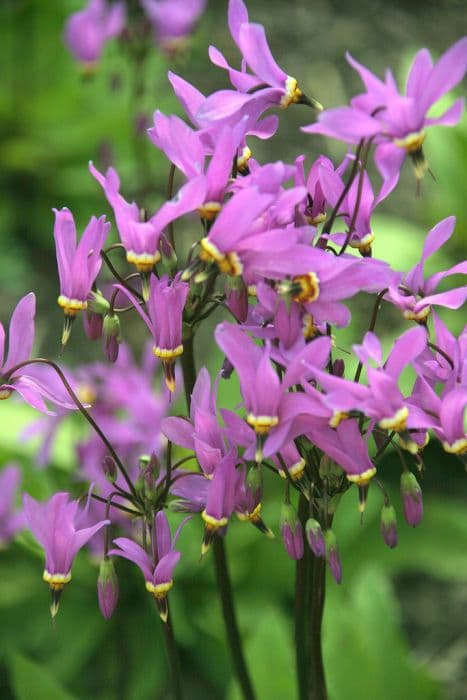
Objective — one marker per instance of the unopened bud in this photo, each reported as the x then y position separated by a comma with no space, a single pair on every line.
338,368
388,526
107,588
112,336
110,469
412,498
150,470
315,537
254,484
237,297
332,555
291,531
92,323
226,369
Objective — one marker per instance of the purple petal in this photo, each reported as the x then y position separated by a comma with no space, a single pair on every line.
21,332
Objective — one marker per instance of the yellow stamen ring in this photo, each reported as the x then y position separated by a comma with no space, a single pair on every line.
228,262
316,220
56,581
412,142
363,244
419,316
296,470
71,306
250,517
243,159
459,447
397,422
292,92
362,479
209,210
159,590
309,285
213,523
5,394
262,424
167,354
337,418
144,262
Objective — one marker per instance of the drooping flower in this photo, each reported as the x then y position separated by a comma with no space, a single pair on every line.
88,30
157,567
173,20
415,295
396,123
78,263
55,524
267,85
221,497
141,238
33,383
164,319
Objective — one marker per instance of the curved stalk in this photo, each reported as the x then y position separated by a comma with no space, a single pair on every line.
84,412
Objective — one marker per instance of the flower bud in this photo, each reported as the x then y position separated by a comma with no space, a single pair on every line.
388,526
314,535
110,469
92,323
237,298
107,588
291,530
112,337
254,484
226,369
332,555
412,498
338,368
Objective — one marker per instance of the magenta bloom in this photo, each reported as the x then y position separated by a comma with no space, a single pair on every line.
88,30
55,525
173,20
164,319
269,83
221,497
11,520
141,238
416,295
202,433
157,568
78,263
397,122
33,383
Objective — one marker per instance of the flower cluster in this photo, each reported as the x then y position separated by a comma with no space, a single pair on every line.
171,22
283,248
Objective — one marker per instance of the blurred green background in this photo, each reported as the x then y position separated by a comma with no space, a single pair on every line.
395,627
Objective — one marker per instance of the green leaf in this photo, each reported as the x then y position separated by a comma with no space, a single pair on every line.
30,680
365,653
270,658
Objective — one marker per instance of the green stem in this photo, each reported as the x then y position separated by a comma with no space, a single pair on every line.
233,635
301,610
220,560
317,680
173,659
188,367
